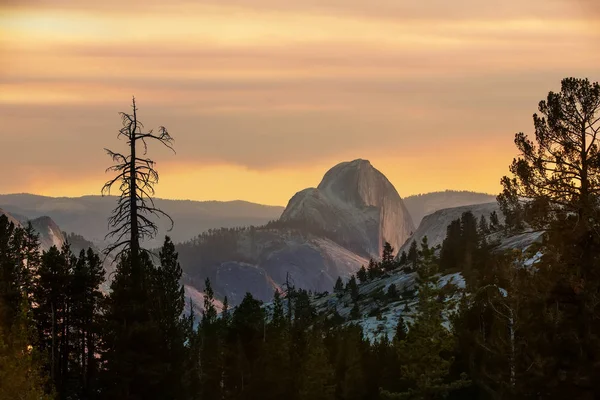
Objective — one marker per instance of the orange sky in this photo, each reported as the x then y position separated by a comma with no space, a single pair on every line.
263,96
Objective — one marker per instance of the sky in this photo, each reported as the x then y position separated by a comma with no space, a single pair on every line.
264,96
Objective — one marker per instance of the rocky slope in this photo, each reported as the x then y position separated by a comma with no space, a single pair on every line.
434,225
424,204
48,231
323,233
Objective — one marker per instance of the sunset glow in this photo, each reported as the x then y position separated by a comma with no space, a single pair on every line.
262,96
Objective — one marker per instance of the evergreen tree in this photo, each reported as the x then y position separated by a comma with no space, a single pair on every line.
21,375
450,252
483,226
373,270
362,274
210,360
352,287
317,374
53,314
132,338
169,300
494,221
87,299
339,286
555,188
349,365
275,359
424,353
388,262
392,292
401,331
413,255
403,258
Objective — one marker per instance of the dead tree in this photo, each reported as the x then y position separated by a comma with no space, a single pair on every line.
131,222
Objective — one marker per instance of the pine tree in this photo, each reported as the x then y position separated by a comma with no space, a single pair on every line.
349,365
392,292
373,269
132,339
170,302
88,275
483,226
317,374
403,258
211,361
21,375
352,287
339,286
494,221
413,255
362,274
401,331
276,355
388,262
554,188
424,353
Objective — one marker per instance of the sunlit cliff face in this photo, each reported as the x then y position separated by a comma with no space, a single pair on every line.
263,96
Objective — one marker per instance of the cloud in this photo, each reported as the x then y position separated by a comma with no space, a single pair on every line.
263,86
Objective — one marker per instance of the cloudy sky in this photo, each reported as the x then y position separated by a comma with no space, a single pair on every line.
263,96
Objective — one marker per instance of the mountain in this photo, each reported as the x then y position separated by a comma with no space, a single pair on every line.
356,203
88,215
323,233
434,225
48,231
424,204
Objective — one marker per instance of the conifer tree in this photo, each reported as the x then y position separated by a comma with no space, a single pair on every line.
403,258
317,374
387,259
352,287
339,286
392,292
169,301
483,226
494,221
555,188
413,255
373,270
362,274
424,353
21,374
210,360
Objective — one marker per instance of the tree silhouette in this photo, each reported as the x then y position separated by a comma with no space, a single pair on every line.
136,177
558,173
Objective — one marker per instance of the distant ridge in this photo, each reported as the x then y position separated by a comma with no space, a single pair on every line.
424,204
88,215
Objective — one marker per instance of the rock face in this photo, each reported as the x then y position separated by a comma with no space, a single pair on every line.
355,204
424,204
48,231
434,225
324,233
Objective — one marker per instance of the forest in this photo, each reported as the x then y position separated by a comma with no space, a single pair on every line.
517,330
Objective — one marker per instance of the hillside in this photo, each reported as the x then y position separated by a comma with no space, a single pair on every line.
424,204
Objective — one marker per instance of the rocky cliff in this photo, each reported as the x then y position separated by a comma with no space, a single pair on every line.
323,233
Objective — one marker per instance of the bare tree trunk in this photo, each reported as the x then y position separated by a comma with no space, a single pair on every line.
135,244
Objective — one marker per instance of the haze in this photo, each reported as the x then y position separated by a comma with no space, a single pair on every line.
263,96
